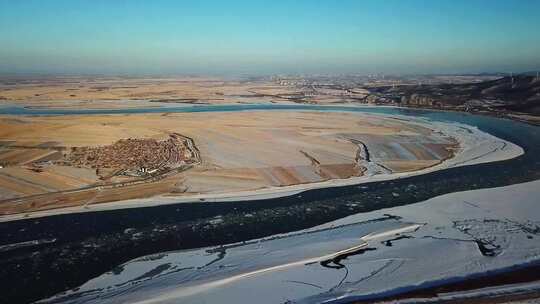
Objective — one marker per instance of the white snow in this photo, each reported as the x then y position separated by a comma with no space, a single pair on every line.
440,246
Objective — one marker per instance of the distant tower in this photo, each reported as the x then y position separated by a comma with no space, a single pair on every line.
537,76
512,77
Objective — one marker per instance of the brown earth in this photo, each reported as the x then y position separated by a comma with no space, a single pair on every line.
113,92
46,160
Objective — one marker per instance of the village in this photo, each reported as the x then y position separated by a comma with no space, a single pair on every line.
133,156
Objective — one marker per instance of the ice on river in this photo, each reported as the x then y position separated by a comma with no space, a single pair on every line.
364,256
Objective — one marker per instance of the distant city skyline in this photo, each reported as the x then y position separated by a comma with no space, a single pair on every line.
268,37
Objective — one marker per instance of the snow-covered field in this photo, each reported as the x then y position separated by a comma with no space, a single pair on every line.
476,147
364,256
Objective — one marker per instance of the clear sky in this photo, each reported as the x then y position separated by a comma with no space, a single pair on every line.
262,37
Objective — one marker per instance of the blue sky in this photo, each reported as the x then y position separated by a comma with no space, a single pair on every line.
264,37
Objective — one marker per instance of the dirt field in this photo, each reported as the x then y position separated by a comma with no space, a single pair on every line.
129,92
114,92
238,151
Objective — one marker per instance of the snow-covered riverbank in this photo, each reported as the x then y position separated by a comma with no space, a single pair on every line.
365,256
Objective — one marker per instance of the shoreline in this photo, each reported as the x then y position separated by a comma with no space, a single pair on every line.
509,115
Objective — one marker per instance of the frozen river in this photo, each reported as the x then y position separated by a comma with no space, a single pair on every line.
97,242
